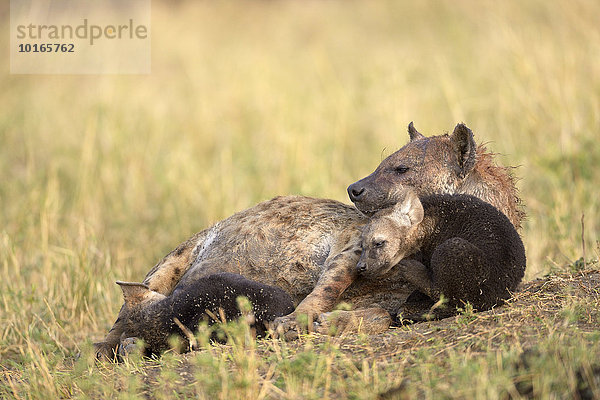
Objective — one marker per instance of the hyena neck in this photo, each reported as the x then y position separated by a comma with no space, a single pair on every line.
494,184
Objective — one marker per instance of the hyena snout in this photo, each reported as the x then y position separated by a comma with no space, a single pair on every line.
356,191
368,267
361,267
370,194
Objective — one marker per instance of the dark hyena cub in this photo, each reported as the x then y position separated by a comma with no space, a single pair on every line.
470,251
151,316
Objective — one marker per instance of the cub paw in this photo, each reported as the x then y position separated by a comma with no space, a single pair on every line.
127,347
105,351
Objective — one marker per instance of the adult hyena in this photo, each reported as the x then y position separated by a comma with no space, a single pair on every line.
310,247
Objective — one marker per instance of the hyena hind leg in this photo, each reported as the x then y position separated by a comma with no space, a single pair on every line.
460,271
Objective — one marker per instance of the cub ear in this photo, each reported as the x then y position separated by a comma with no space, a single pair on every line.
134,293
409,210
464,147
414,133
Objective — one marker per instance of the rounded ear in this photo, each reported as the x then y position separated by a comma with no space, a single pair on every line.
134,293
409,210
414,133
464,147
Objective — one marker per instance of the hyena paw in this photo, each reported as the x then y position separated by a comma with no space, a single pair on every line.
289,326
334,323
127,346
286,327
105,351
339,323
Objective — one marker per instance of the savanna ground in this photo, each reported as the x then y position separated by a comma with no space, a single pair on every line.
100,176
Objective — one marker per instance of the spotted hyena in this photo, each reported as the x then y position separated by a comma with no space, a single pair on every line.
469,251
309,247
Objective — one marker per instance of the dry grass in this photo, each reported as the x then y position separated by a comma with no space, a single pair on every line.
103,175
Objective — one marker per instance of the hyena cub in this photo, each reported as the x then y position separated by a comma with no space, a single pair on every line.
468,250
152,316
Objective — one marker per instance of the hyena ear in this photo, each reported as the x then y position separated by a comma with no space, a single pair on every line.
464,147
408,211
414,133
134,293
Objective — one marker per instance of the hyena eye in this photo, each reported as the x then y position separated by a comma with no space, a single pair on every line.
379,243
401,169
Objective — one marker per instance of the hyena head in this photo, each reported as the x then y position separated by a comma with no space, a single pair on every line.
138,297
436,164
391,235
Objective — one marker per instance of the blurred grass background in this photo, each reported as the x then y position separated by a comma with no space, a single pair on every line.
103,175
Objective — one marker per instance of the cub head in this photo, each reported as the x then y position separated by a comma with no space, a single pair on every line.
138,297
390,236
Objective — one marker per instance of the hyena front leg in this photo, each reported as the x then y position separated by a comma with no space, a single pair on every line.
339,272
